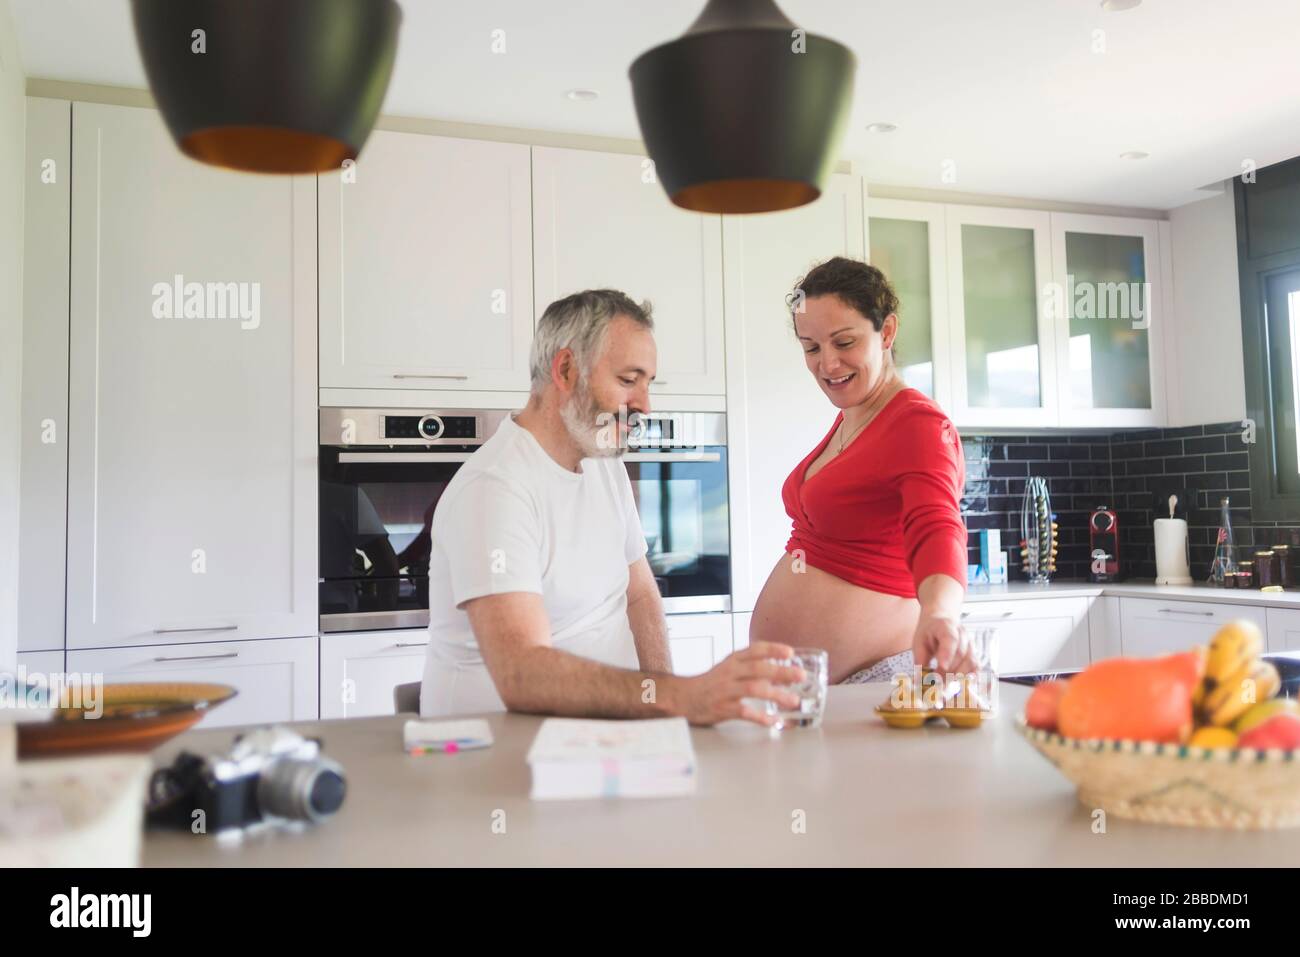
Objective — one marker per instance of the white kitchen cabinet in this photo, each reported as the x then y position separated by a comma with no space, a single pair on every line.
358,672
1034,635
1157,626
41,662
907,242
740,630
1204,376
426,266
1027,331
776,414
1104,628
275,679
698,642
42,498
602,221
1109,321
1001,336
192,419
1283,629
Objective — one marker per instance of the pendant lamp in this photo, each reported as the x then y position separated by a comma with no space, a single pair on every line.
744,112
270,86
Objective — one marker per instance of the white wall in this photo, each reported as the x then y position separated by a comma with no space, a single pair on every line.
1206,381
13,120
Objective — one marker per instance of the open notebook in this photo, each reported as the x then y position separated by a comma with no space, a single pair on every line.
581,758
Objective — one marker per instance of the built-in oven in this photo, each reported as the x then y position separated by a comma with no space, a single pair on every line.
678,466
382,472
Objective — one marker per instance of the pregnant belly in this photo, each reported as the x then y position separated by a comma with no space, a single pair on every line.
813,608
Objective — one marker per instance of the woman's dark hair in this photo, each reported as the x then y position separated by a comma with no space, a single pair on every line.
856,284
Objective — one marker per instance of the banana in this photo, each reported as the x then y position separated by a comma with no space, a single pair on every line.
1198,693
1229,700
1232,648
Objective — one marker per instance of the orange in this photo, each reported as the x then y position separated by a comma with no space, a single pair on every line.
1134,699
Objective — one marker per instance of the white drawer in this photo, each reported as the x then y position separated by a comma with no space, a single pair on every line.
1154,626
740,622
698,642
276,677
358,672
1034,635
41,662
1283,630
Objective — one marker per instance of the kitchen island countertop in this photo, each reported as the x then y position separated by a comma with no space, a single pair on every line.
852,793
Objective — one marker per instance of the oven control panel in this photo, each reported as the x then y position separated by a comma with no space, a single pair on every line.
430,427
426,429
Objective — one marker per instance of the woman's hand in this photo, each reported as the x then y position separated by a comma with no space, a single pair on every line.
941,637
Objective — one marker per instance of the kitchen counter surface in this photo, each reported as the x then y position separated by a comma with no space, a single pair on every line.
867,795
1137,589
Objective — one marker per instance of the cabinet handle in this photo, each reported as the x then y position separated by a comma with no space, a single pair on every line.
1005,614
411,644
671,457
172,631
404,458
1184,611
427,375
228,654
658,382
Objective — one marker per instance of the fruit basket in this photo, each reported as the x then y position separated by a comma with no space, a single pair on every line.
137,717
1202,738
1242,788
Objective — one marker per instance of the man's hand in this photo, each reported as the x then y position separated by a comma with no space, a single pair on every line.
717,695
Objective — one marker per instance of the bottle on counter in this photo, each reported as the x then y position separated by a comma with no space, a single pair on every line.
1266,568
1246,574
1225,558
1285,573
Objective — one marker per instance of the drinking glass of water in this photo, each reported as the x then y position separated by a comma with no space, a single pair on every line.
811,691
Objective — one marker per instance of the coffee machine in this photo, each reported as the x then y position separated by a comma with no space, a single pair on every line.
1103,545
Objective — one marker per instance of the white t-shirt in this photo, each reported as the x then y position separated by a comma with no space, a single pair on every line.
514,520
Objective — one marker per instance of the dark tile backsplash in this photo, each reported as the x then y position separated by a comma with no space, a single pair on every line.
1125,470
1078,473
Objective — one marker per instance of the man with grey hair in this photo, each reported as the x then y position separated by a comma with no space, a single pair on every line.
540,596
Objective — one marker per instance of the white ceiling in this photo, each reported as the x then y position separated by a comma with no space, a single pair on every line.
1010,91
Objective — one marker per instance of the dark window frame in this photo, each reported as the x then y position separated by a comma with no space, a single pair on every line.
1268,502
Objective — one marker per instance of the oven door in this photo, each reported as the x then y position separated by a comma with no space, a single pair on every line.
681,496
376,508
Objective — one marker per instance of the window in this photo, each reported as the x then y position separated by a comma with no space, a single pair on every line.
1268,259
1282,343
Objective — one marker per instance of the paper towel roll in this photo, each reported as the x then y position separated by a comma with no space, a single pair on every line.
1171,552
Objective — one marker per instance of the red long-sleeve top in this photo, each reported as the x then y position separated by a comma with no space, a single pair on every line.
885,513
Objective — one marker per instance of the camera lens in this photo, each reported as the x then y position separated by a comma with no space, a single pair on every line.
302,790
327,793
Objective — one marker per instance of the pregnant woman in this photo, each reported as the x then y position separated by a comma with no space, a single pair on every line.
875,568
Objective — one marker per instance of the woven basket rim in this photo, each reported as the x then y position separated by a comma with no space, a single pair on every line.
1184,752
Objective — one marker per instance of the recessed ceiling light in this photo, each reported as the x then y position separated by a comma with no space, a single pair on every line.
881,127
1114,6
1134,155
582,94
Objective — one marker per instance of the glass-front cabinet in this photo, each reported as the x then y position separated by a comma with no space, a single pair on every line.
905,240
1026,319
1001,332
1106,303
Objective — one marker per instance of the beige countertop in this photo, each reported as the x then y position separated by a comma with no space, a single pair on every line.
1136,589
868,795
